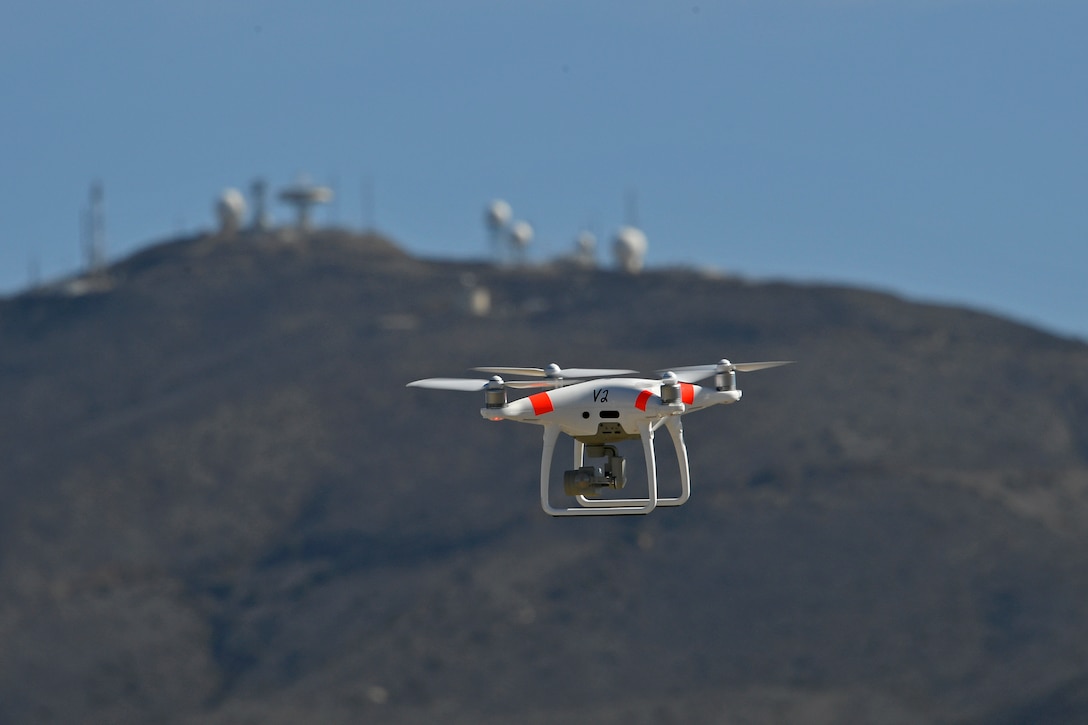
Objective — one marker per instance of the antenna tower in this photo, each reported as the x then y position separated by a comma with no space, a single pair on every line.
630,208
94,229
259,190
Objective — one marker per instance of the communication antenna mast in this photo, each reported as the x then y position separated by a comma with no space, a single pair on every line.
630,244
94,229
259,190
630,208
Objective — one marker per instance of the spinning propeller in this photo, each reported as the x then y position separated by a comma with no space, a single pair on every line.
473,385
554,372
695,373
495,388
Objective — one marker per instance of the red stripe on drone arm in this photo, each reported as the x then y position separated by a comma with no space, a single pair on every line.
687,393
643,398
541,403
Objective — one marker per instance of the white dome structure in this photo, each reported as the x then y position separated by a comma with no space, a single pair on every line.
629,249
498,215
230,209
521,236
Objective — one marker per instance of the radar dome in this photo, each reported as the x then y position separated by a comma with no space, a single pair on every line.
521,234
498,214
230,208
629,249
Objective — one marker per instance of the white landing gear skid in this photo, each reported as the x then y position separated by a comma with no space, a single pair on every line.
605,507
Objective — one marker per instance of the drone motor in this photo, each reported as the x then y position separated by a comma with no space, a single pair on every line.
495,393
670,388
725,376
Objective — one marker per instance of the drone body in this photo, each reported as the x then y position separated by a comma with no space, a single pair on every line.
597,414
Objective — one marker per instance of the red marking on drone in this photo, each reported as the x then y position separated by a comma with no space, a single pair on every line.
643,398
687,393
541,403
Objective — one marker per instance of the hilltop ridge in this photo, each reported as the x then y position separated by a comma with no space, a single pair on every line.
222,505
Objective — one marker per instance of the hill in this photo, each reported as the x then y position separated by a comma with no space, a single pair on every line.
221,504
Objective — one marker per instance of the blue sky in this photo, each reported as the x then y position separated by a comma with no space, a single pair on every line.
933,148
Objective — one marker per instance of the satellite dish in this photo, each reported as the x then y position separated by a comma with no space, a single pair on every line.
629,249
304,196
230,209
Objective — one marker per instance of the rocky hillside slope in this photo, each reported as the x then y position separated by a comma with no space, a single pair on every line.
221,504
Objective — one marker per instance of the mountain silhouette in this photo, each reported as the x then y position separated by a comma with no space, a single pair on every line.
222,505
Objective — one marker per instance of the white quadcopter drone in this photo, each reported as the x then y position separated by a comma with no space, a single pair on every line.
598,409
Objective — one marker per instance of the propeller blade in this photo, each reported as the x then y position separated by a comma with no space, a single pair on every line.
524,372
752,367
695,373
692,373
470,385
594,372
449,384
555,372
